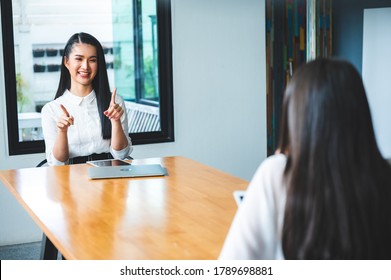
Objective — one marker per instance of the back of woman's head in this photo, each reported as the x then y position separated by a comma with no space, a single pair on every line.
338,183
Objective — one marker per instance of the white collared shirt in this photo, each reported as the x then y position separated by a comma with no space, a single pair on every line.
85,136
256,230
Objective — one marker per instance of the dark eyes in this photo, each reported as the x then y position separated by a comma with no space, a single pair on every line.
93,60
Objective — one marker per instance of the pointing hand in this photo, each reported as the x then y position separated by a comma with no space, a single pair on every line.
65,120
115,111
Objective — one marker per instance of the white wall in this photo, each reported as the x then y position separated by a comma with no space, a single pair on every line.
219,99
219,85
376,64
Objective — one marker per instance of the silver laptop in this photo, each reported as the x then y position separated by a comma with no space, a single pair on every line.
141,170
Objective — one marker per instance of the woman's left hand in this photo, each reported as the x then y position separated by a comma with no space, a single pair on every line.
115,111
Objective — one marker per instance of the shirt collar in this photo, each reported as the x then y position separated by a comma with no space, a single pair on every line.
78,99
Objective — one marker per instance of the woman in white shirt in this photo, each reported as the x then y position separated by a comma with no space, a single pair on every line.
85,121
327,194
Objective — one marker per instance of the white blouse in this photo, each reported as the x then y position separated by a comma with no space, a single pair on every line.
85,136
256,231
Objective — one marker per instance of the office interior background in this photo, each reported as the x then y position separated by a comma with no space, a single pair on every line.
219,88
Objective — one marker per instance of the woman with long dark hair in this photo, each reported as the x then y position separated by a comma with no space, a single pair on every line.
326,194
85,121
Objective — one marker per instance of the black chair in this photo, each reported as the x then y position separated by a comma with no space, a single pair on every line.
43,162
48,250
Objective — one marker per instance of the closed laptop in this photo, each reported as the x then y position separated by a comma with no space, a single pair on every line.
141,170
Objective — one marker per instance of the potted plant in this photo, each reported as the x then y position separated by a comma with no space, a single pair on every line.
20,97
116,50
38,52
53,67
106,50
38,68
109,65
51,52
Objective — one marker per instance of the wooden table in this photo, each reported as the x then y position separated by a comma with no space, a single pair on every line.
185,215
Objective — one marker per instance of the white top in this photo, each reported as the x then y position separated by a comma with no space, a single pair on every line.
256,231
85,136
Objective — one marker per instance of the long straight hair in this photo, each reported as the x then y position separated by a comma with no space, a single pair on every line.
338,184
100,83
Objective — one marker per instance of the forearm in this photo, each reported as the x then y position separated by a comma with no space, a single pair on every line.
119,141
60,148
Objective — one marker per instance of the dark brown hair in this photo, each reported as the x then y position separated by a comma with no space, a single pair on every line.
339,185
100,83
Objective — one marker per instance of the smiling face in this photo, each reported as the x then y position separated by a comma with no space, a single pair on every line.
82,64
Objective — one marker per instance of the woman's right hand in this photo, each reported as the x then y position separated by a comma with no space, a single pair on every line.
65,120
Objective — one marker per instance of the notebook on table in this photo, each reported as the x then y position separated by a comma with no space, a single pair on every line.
133,171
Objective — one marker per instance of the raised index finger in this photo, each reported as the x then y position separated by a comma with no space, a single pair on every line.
113,96
64,110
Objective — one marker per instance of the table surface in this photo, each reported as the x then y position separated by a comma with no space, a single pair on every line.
185,215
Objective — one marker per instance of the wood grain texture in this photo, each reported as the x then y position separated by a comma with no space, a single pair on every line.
185,215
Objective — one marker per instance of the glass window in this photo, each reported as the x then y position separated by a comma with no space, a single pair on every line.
33,38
